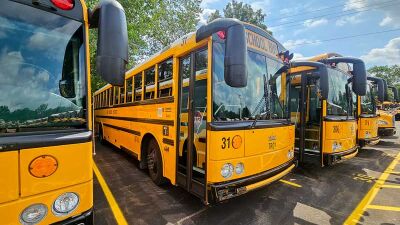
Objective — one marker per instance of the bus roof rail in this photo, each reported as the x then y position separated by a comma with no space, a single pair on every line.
359,72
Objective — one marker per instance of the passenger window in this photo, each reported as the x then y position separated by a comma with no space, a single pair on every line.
185,73
138,86
110,98
165,78
115,95
201,62
129,90
121,95
149,78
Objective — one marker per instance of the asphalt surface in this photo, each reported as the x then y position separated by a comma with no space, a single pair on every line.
326,196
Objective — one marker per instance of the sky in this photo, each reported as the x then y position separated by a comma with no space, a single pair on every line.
366,29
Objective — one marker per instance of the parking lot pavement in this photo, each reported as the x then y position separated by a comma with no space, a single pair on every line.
363,190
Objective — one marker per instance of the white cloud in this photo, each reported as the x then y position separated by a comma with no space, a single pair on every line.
349,20
391,11
388,55
315,23
293,44
204,16
297,56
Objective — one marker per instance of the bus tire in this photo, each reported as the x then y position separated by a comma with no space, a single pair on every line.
154,163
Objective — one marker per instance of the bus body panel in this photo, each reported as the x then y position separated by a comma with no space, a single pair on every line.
9,181
368,128
10,211
343,133
261,150
70,159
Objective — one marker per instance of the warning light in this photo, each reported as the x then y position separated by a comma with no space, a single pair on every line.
221,34
63,4
43,166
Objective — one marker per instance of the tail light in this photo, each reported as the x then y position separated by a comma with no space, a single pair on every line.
64,4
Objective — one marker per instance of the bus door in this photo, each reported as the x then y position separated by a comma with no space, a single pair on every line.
191,157
309,128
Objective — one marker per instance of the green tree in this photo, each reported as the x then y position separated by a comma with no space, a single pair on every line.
152,25
243,12
390,73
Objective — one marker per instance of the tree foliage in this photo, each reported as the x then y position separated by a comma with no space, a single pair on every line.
390,73
243,12
152,25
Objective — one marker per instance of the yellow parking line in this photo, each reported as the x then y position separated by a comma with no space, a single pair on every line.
359,210
290,183
383,207
390,186
119,216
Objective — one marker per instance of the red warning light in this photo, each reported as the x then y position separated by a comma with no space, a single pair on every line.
63,4
221,34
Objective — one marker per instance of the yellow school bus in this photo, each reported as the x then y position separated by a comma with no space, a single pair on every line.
326,124
368,113
387,112
206,113
45,106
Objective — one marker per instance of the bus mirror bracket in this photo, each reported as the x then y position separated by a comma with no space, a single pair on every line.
381,87
112,44
321,72
235,63
359,72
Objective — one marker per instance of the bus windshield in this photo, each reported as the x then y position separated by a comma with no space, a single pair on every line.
368,101
339,100
39,50
248,103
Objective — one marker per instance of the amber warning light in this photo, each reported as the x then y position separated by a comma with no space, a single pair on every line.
63,4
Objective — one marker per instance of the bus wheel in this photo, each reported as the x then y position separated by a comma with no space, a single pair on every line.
154,163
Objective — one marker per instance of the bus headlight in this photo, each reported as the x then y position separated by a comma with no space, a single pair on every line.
227,170
33,214
336,146
239,169
65,204
382,122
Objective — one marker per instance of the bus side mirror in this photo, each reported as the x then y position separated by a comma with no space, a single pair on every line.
67,88
112,44
235,63
359,72
381,87
395,93
321,72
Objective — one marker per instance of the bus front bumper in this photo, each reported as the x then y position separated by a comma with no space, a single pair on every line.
386,131
86,218
369,141
230,189
332,158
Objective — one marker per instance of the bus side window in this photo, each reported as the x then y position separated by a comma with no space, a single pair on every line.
165,78
111,97
115,94
201,62
121,95
129,90
138,86
149,78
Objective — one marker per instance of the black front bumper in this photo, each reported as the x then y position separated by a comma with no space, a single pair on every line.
386,131
86,218
368,141
226,190
332,158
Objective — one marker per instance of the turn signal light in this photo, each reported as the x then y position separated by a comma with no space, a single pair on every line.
63,4
43,166
236,142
